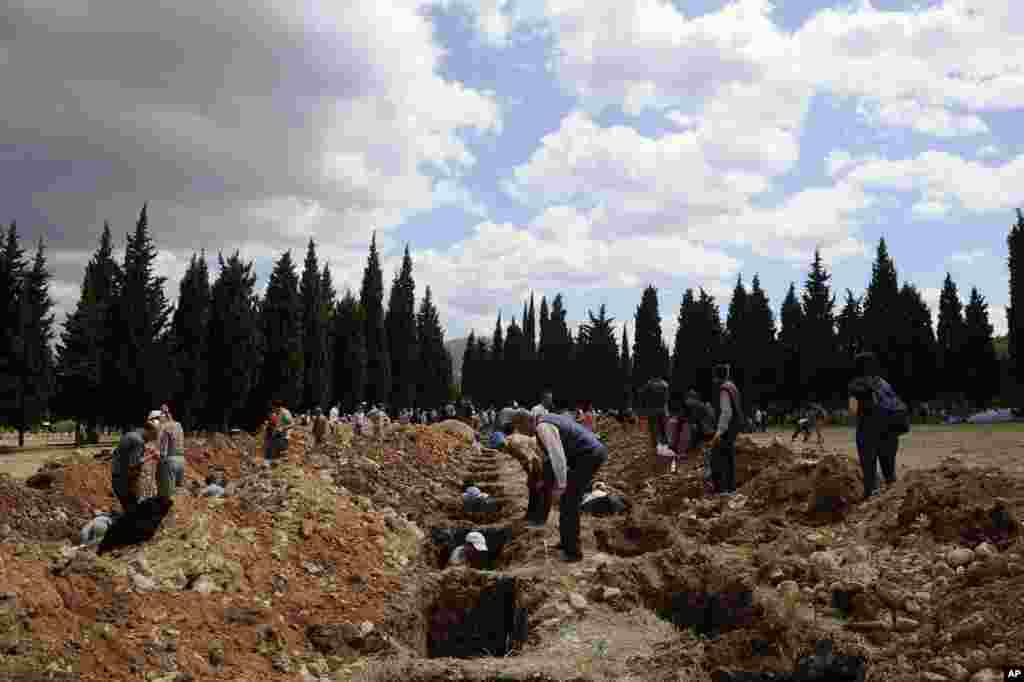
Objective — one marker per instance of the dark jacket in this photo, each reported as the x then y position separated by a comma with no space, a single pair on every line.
577,440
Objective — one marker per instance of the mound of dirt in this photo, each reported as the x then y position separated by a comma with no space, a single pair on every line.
963,504
457,428
820,491
37,515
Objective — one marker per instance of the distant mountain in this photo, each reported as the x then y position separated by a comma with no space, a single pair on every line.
456,347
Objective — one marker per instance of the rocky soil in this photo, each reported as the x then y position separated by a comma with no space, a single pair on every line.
332,565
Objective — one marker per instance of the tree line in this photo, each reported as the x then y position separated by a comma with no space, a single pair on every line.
804,355
223,352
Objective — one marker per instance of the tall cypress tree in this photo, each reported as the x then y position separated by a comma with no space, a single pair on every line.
1015,318
979,352
625,371
737,337
849,335
515,346
36,331
350,356
530,372
87,353
497,364
142,316
469,368
558,359
190,335
284,360
436,363
484,388
710,341
650,355
950,335
378,356
235,347
790,341
312,334
686,349
328,301
761,345
916,348
882,310
400,322
12,276
818,336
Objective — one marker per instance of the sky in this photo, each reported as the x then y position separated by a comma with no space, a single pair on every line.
583,147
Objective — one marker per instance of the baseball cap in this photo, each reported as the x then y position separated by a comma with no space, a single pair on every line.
154,414
477,540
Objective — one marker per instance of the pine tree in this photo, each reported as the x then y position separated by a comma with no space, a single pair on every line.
87,354
436,381
483,388
531,390
818,336
559,356
882,310
400,322
469,368
350,356
328,301
599,359
1015,322
313,339
496,373
686,349
12,357
736,337
790,340
710,341
625,371
950,335
36,335
650,355
235,347
515,346
761,345
378,356
980,359
544,380
190,335
848,329
141,319
284,361
916,349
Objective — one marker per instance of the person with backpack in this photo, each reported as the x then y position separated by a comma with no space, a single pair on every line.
882,417
730,421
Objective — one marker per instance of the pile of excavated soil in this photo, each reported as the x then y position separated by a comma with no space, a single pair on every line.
29,515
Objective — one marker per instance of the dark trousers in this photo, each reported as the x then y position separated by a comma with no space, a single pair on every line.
579,480
723,465
539,505
876,448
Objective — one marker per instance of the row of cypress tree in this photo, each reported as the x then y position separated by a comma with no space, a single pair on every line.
223,352
807,357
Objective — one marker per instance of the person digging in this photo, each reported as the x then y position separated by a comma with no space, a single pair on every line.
570,456
127,462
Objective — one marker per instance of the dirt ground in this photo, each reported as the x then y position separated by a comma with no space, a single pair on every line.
22,463
332,565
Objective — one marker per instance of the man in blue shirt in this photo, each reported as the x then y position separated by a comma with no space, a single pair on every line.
126,464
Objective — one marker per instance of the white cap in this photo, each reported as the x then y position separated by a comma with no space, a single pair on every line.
477,540
155,414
